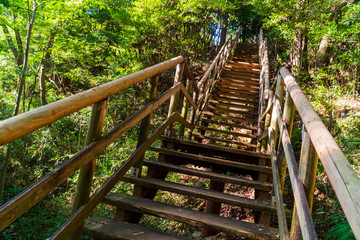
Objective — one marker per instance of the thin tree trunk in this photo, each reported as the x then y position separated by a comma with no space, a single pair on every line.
18,99
224,29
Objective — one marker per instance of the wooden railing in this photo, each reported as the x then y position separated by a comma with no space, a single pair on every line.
277,116
18,126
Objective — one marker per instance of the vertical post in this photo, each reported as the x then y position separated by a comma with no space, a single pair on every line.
288,118
279,95
145,125
83,186
307,174
184,110
264,142
175,98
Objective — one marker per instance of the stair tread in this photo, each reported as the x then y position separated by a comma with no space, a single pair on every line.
196,218
227,132
227,141
219,149
213,160
209,175
239,81
232,105
206,194
227,110
229,124
237,119
241,91
105,228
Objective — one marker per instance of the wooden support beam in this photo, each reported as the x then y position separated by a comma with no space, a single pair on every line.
307,174
145,124
83,187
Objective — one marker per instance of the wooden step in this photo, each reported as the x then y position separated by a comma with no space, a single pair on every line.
187,190
244,87
232,105
219,123
235,90
227,141
238,154
241,68
251,76
212,160
209,175
234,100
222,116
227,110
237,62
223,92
105,228
239,81
192,217
227,132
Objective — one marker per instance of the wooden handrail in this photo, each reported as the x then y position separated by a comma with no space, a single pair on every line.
18,205
343,178
18,126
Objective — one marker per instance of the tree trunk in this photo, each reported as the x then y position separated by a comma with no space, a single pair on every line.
224,29
321,53
18,99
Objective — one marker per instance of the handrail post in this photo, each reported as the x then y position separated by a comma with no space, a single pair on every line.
175,98
279,94
307,174
184,110
145,125
288,119
83,186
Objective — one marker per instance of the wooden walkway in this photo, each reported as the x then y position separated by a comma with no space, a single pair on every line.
223,151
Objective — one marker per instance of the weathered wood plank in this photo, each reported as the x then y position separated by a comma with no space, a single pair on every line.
203,194
105,228
209,175
218,161
227,132
237,152
200,219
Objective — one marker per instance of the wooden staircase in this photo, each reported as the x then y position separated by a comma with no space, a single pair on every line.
222,153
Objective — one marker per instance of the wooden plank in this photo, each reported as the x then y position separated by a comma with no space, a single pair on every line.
105,228
240,91
210,175
227,110
218,161
339,171
229,124
245,87
232,105
250,100
203,194
20,125
237,152
240,81
252,104
226,141
195,218
83,186
83,212
227,132
248,120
